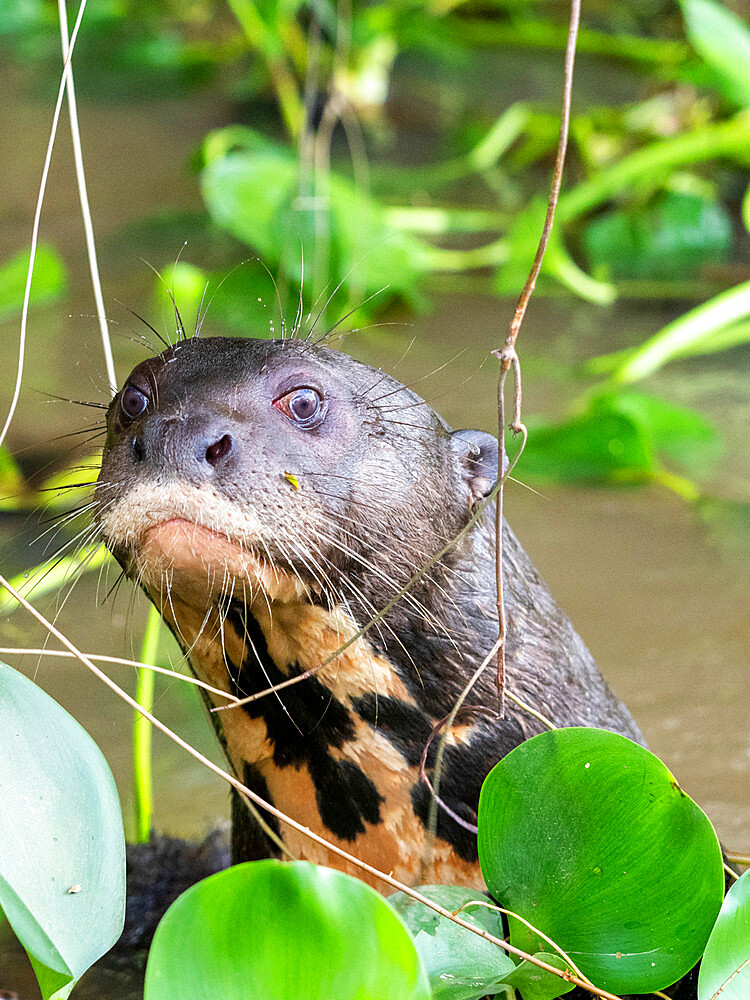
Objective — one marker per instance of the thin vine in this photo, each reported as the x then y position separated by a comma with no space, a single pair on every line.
507,353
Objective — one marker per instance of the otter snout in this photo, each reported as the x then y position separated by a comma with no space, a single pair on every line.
196,447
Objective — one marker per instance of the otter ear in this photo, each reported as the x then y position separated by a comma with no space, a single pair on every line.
477,455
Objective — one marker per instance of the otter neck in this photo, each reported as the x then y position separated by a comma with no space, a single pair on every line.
318,748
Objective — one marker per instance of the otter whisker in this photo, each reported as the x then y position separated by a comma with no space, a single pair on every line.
343,318
425,614
75,402
410,385
145,322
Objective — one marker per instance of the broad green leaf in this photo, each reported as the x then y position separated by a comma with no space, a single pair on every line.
621,436
673,237
723,41
460,965
47,284
682,435
600,445
268,930
255,195
62,849
538,984
725,967
590,838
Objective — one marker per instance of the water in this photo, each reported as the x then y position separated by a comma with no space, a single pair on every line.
660,599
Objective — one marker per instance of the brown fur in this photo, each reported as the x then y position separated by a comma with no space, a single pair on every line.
261,577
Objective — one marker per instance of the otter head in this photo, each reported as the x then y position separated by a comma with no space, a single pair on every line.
277,471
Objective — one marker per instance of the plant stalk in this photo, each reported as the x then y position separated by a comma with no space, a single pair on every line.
143,799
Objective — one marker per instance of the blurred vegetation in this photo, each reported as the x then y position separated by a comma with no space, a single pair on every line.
314,186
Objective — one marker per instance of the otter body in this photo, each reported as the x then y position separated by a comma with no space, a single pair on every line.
271,497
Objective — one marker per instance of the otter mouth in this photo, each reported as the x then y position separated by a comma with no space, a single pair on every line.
199,551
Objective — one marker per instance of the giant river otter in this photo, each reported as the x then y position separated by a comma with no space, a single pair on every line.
270,497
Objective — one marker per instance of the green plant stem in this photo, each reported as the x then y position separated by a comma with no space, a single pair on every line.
677,337
543,35
655,162
442,259
144,694
262,40
484,156
437,221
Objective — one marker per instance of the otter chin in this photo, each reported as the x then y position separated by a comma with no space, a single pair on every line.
270,500
185,557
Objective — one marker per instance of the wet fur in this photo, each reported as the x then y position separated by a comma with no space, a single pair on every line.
284,551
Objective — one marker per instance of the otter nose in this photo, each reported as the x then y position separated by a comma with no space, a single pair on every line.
219,450
199,446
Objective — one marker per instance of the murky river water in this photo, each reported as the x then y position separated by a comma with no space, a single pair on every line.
661,600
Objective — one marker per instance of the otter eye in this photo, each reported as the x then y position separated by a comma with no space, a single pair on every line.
305,406
133,402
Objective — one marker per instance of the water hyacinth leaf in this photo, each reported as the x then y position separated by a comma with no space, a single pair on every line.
62,848
537,984
590,838
682,435
672,238
459,964
283,930
600,445
255,196
47,284
725,967
722,39
620,436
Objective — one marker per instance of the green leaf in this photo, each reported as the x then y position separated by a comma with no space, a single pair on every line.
590,838
673,237
255,195
621,436
538,984
723,41
682,435
47,285
725,967
460,965
268,929
601,445
62,849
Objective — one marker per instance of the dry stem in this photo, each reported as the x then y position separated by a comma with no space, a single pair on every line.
507,354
